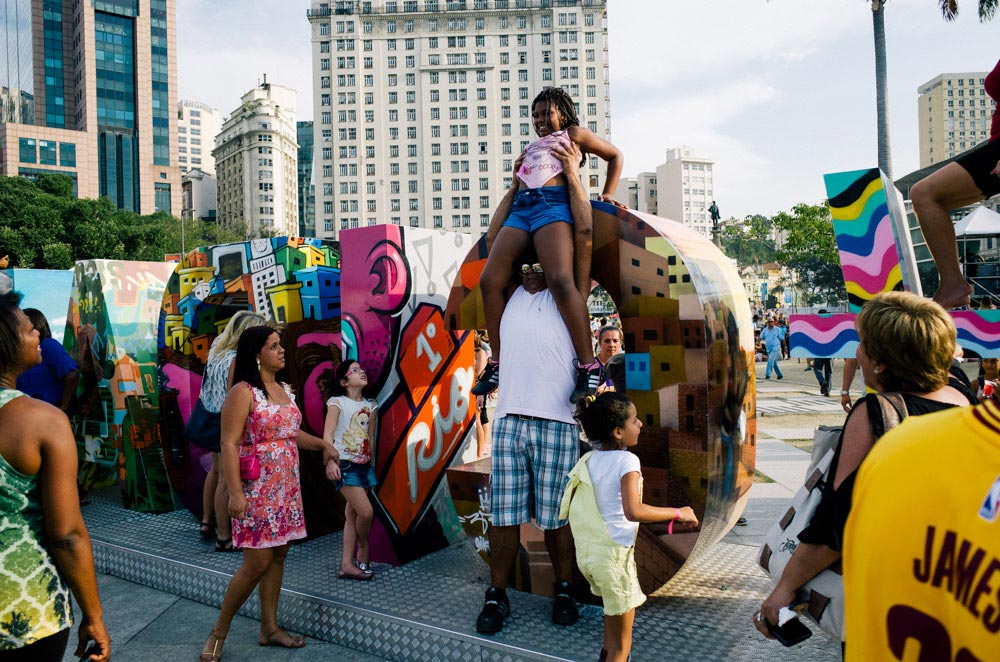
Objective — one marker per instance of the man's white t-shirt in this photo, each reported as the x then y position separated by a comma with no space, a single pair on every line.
537,361
606,470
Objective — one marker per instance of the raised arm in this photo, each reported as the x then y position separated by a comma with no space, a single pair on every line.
583,219
69,541
591,143
502,211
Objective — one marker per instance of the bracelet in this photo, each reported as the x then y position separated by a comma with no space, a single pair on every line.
845,392
670,527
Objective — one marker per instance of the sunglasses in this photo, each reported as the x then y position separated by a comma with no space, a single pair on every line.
529,268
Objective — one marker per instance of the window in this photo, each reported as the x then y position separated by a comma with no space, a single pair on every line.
67,154
27,150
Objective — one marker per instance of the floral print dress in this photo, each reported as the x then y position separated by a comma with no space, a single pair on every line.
274,501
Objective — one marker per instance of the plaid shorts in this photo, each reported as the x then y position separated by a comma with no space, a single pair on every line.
531,459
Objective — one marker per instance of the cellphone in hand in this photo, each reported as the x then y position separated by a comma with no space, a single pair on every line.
791,633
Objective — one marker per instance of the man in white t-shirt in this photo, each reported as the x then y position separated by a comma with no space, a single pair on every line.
535,443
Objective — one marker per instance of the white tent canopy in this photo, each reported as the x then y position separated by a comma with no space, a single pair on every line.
983,222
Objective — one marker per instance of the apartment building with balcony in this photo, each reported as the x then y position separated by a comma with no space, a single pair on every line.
685,189
421,106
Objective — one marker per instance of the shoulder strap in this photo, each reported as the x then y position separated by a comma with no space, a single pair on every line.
885,411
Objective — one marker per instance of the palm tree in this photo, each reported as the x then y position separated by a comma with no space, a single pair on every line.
949,9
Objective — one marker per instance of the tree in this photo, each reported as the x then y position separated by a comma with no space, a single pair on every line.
749,242
810,249
43,227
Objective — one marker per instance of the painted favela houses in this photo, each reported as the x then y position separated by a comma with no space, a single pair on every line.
688,338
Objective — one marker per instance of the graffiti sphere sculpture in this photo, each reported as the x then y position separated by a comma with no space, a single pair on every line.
688,343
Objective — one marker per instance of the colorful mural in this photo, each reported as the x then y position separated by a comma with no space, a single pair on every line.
876,256
688,343
292,281
111,332
393,295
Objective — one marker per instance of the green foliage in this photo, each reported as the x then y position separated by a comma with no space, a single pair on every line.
749,243
43,227
810,249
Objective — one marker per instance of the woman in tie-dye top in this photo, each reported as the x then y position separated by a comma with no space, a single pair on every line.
44,553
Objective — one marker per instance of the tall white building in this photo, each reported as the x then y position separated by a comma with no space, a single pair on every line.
954,114
197,126
255,159
421,106
685,189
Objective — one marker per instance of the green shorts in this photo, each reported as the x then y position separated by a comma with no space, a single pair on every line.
610,570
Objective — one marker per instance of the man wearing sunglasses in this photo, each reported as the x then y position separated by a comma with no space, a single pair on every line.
535,442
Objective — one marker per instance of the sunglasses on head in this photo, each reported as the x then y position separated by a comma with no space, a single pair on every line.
529,268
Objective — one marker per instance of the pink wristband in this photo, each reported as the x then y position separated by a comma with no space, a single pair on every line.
670,527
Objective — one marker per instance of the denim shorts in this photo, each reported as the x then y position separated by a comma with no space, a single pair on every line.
536,207
355,475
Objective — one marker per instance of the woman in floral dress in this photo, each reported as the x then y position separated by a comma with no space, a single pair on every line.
260,417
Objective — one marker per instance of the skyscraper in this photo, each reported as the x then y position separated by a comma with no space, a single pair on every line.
197,126
255,163
87,89
307,190
422,106
954,114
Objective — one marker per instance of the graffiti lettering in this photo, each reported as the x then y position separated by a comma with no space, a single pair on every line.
423,451
424,347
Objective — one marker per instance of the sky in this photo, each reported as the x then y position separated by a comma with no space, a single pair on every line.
776,92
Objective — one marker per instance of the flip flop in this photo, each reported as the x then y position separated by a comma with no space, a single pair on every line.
269,640
361,577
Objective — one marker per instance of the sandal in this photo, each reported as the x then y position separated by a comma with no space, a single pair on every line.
212,652
361,576
207,531
225,545
274,639
363,566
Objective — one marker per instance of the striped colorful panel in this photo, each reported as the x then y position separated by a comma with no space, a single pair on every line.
823,336
978,331
861,221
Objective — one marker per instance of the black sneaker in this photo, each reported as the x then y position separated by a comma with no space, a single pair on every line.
496,609
564,609
587,381
488,381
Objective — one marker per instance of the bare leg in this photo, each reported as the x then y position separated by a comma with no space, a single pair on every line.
255,565
618,636
559,543
223,525
269,591
933,197
359,522
510,243
503,550
554,245
208,492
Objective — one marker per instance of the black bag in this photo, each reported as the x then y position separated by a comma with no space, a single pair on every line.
204,428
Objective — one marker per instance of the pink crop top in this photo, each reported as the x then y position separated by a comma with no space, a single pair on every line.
539,166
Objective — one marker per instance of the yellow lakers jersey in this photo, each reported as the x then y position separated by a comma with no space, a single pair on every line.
922,544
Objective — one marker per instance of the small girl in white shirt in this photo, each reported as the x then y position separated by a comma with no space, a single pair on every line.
603,501
350,424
